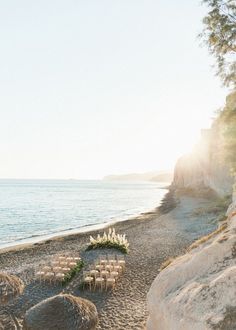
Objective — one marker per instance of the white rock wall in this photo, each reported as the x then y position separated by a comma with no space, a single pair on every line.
198,290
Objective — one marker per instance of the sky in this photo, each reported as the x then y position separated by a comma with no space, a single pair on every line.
91,88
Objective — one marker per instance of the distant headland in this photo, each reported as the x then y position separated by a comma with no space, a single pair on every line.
156,176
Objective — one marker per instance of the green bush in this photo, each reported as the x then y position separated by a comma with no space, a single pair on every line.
108,245
73,272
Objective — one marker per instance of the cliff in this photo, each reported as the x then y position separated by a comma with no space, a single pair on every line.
198,290
204,167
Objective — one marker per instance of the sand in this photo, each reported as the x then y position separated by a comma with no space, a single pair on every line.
153,238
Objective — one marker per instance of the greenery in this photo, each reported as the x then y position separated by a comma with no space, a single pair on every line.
73,272
109,240
227,120
108,245
219,34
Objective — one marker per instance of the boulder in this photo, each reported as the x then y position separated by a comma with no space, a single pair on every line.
62,312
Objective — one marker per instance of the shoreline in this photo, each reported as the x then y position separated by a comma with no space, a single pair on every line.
85,230
89,229
153,237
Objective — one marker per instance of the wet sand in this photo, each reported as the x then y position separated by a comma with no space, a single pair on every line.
153,238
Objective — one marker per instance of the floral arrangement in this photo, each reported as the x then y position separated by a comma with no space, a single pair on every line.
109,240
73,272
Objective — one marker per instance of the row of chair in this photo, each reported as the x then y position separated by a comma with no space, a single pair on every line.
104,273
57,269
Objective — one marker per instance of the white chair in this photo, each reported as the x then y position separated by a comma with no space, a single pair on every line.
65,270
104,273
121,261
99,267
49,276
77,259
60,277
47,269
111,259
109,267
40,275
93,272
72,264
118,268
57,269
103,260
69,259
99,281
114,274
110,282
87,279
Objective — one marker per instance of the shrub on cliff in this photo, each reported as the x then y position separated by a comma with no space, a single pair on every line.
227,119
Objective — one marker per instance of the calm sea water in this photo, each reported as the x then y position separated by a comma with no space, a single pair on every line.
31,210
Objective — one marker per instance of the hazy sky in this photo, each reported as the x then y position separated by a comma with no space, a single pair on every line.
95,87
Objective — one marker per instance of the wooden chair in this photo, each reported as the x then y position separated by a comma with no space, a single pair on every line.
99,267
72,264
118,269
77,259
65,270
87,280
40,275
103,259
104,273
114,274
57,269
121,261
59,277
46,269
109,267
93,272
99,281
110,282
111,258
49,276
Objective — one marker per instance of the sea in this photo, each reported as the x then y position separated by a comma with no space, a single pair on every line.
34,210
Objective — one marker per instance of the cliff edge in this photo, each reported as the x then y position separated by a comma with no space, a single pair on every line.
197,291
204,168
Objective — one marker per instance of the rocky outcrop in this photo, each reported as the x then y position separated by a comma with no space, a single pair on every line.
204,167
197,291
62,312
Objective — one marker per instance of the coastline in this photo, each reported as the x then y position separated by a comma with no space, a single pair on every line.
153,238
85,230
22,243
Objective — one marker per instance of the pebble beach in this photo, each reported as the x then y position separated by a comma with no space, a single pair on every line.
153,238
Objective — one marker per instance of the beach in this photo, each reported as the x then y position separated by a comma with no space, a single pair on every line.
153,238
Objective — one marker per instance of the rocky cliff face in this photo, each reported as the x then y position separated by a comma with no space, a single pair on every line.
204,168
197,291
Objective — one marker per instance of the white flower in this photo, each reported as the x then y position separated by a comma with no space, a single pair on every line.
92,240
111,237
